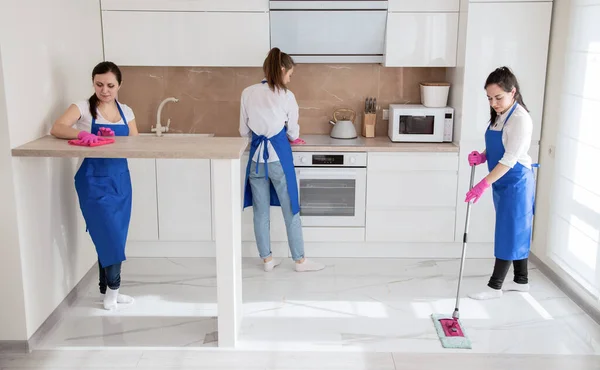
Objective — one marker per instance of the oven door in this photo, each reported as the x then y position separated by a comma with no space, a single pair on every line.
332,197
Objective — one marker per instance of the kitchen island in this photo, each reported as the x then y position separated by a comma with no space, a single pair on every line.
225,154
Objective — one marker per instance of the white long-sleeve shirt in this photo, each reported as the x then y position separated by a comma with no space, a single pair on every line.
516,137
265,112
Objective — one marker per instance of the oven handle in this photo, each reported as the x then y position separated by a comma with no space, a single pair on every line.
329,174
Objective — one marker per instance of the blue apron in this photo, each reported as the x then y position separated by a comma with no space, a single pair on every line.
104,189
283,149
513,196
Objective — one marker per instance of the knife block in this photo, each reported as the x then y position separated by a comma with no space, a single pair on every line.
368,127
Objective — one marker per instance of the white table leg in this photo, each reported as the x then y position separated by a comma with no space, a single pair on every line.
228,236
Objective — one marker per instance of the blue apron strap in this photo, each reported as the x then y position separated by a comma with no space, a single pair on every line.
121,112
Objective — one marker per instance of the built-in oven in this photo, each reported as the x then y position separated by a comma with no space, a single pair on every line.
332,188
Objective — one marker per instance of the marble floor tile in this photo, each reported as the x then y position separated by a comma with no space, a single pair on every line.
366,306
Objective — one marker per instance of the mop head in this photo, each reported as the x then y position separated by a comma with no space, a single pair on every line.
448,341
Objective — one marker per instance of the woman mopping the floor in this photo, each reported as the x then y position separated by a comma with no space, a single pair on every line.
507,141
269,112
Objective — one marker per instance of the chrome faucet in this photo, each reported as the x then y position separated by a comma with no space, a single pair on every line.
159,129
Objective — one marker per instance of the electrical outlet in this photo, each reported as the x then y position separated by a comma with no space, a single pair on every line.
386,114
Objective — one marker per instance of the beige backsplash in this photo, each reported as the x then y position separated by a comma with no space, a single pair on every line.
209,98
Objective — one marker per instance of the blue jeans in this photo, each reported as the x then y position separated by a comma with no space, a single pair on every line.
261,200
110,276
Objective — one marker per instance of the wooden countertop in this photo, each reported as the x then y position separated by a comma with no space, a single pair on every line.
362,144
143,146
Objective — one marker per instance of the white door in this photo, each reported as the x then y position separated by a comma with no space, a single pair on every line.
144,218
184,199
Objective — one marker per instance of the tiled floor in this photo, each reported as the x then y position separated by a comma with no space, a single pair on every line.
364,308
226,360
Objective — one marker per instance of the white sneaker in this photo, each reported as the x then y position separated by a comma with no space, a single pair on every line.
309,265
269,266
487,294
512,286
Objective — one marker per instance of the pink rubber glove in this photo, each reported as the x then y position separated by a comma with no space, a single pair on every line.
105,131
298,141
87,138
476,158
477,191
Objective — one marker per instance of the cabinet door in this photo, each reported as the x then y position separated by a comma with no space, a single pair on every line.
421,40
423,5
411,225
411,197
522,46
185,38
144,218
184,199
187,5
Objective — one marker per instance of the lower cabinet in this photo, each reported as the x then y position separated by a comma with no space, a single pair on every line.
171,200
411,197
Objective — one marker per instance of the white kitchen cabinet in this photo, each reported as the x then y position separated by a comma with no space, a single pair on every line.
187,5
411,197
421,40
184,199
522,46
144,217
435,225
423,5
157,38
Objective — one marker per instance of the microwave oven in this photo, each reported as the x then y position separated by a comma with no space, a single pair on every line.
417,123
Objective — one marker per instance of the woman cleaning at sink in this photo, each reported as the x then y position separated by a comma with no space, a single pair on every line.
507,141
265,109
103,184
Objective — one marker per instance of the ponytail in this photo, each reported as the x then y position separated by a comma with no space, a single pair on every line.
272,68
93,105
504,78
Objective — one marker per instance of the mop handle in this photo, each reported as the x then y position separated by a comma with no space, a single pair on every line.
464,248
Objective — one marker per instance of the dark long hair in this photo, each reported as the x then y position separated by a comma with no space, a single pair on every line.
100,69
504,78
272,68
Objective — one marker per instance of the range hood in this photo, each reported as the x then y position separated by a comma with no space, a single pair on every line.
335,31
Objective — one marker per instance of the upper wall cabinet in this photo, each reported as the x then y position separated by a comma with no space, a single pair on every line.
187,5
423,5
421,39
180,38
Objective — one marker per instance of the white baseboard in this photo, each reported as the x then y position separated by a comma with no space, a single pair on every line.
320,249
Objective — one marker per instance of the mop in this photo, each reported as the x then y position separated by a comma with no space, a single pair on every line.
449,329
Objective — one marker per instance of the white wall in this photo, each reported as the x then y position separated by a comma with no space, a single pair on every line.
12,311
568,201
48,51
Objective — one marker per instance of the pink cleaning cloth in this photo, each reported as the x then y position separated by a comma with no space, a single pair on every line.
103,141
298,141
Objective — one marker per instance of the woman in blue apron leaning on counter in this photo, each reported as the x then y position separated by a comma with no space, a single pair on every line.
507,141
103,184
269,115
